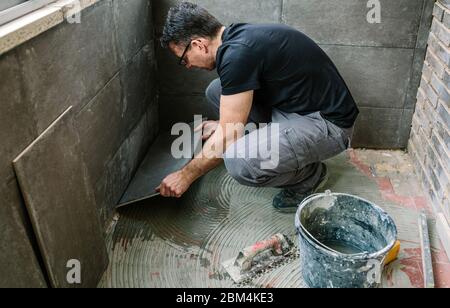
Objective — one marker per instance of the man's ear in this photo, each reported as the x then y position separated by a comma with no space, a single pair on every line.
201,43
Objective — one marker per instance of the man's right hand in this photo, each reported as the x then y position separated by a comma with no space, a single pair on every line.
208,128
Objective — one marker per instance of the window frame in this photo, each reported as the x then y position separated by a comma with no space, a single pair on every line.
21,9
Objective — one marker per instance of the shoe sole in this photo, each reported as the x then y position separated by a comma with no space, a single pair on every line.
290,210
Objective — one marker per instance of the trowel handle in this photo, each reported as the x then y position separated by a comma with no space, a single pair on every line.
274,243
245,258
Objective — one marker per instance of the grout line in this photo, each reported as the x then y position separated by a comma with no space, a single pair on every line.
83,107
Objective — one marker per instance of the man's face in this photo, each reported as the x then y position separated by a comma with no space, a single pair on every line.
196,55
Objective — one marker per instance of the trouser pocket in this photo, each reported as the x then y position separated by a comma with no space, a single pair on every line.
314,139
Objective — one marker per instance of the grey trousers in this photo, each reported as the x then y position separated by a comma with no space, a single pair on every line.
304,142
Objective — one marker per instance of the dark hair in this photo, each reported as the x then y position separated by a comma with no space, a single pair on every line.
187,21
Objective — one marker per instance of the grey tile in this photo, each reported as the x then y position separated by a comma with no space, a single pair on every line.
138,81
174,109
377,77
227,12
159,162
17,125
345,22
100,127
153,120
119,170
60,201
378,128
67,65
134,26
416,74
106,122
145,133
19,265
114,180
425,23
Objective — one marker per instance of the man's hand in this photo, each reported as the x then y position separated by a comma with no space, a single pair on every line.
208,128
175,185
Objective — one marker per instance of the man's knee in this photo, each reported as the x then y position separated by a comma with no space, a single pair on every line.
213,92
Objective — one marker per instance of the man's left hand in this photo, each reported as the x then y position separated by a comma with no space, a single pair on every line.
175,184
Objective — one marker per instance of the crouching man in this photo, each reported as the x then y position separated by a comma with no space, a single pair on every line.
269,73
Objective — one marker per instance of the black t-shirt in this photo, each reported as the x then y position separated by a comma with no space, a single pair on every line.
286,69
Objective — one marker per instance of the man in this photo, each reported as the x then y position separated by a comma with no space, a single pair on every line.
268,74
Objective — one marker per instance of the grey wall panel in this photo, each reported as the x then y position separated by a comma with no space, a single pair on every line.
425,23
18,260
414,82
138,80
377,77
17,125
106,122
176,108
119,170
100,129
19,267
69,64
134,26
61,205
345,21
378,128
230,11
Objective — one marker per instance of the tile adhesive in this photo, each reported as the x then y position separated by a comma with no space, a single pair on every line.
183,242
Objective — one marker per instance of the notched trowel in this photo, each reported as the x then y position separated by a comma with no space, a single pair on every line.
259,257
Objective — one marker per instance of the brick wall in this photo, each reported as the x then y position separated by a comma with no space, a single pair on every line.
429,145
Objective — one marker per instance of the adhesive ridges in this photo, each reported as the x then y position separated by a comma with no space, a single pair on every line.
182,243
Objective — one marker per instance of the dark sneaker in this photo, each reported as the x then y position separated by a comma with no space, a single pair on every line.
288,200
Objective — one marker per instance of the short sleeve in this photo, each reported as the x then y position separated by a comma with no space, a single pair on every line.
239,70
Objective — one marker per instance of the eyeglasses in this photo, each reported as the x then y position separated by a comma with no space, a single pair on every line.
182,60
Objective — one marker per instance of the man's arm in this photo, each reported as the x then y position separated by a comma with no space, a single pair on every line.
234,110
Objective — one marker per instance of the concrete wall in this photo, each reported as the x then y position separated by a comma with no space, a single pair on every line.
105,68
380,62
430,137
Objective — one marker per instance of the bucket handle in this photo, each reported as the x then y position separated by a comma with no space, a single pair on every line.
309,198
326,193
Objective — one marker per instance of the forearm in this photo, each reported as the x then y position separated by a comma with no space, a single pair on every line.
211,155
200,166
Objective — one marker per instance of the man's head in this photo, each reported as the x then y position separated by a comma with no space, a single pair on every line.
191,34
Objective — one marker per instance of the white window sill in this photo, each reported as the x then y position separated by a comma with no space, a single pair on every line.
31,25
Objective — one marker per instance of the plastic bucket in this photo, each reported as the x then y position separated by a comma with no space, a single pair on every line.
343,241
